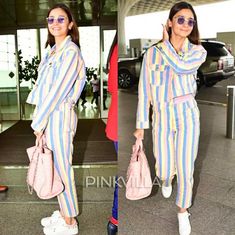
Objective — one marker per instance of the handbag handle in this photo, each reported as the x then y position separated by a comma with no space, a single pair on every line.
139,144
136,148
40,142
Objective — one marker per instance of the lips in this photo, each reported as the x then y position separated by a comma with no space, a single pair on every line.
185,30
55,29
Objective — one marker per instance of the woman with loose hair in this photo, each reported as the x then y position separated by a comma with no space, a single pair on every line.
168,83
61,78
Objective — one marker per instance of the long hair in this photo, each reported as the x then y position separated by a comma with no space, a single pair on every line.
194,35
114,43
73,32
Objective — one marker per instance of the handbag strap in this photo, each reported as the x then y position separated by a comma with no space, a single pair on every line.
136,148
139,144
41,142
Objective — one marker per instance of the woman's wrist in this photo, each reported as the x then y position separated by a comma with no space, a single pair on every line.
139,134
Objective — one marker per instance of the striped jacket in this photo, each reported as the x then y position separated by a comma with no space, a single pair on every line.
166,75
61,78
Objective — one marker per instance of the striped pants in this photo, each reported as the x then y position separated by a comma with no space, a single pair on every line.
59,133
176,131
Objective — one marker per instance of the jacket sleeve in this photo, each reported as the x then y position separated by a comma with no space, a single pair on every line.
69,73
144,96
33,96
189,63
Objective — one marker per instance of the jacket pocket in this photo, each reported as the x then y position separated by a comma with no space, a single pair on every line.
158,74
70,118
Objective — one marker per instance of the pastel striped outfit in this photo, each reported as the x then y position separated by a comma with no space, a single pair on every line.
61,78
167,82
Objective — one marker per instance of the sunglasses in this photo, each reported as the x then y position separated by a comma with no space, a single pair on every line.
181,20
60,20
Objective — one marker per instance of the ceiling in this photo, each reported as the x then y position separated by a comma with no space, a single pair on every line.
20,14
32,13
148,6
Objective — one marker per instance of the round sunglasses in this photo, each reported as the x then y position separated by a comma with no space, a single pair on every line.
181,19
60,19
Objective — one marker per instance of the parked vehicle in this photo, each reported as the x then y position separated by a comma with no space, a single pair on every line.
129,71
219,65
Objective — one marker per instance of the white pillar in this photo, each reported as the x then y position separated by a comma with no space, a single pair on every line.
123,9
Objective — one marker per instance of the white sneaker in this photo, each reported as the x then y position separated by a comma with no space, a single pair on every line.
61,228
47,221
184,223
166,191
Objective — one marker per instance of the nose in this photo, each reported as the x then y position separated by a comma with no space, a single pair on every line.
55,22
185,24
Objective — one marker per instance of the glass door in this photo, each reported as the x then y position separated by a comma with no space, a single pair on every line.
28,51
107,35
9,86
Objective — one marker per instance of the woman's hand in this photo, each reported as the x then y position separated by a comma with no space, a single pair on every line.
38,134
165,35
139,134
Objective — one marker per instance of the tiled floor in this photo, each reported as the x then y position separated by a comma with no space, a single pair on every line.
21,212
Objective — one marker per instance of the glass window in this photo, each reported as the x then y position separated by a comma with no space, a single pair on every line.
108,40
215,49
109,7
7,56
27,40
27,43
83,10
43,39
90,45
8,94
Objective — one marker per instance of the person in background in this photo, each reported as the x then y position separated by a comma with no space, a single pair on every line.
105,96
112,124
95,88
83,94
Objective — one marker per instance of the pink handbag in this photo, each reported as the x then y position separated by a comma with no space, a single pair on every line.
139,182
42,175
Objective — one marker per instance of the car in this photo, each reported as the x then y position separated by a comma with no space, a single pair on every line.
129,71
219,65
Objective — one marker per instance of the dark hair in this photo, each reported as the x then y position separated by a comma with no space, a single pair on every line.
73,32
194,35
114,43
